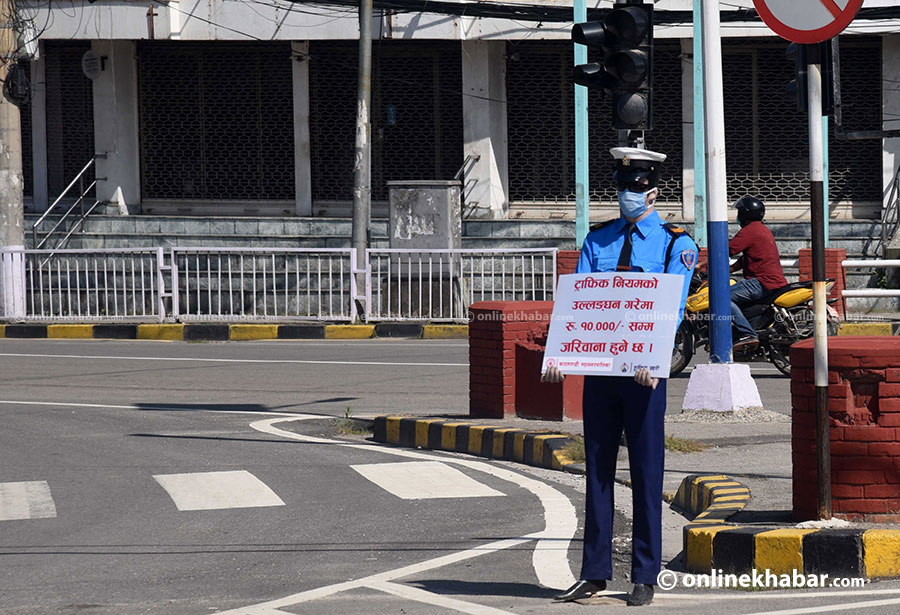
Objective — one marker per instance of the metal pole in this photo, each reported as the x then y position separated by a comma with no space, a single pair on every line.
717,225
12,219
362,183
825,174
582,185
699,133
820,343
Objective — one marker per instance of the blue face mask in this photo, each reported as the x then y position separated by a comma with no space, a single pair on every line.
632,204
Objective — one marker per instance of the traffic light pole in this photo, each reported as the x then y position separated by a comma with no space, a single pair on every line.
582,186
820,342
717,195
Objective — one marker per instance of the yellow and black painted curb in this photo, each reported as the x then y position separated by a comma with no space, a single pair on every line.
541,449
712,544
232,332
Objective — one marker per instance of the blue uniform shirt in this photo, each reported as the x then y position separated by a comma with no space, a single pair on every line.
649,245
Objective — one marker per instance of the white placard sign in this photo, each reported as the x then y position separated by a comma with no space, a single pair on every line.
613,324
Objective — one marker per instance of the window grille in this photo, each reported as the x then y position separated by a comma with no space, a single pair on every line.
70,114
217,121
766,136
416,114
25,130
540,96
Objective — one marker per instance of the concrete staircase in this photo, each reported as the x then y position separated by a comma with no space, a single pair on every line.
858,237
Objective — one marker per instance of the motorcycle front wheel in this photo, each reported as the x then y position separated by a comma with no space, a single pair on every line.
683,351
780,350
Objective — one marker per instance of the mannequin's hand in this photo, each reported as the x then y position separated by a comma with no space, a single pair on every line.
643,378
553,375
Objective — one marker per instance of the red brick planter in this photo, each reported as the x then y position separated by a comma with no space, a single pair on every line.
864,410
506,340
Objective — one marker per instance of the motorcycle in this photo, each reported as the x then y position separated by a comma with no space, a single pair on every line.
780,318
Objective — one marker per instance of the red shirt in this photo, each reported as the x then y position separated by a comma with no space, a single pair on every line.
761,258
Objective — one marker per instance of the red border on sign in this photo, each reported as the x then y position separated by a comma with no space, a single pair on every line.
808,36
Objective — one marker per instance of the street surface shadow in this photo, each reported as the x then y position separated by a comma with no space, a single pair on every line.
176,407
485,588
762,516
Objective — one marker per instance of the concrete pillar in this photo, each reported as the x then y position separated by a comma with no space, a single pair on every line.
486,184
687,128
890,67
39,200
302,165
116,126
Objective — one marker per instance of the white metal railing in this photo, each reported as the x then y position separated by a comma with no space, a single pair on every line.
267,284
80,200
439,285
253,284
871,292
123,284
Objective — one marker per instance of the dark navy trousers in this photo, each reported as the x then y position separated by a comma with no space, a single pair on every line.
611,404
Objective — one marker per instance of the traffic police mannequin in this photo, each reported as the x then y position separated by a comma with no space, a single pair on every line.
637,241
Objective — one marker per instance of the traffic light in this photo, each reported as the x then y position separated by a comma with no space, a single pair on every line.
802,56
625,38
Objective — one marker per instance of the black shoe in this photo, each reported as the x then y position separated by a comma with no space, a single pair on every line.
745,342
581,590
641,595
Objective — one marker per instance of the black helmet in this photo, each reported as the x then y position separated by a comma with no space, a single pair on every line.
749,209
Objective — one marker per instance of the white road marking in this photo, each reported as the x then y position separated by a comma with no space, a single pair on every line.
424,480
217,490
782,594
26,500
420,595
846,606
550,559
211,360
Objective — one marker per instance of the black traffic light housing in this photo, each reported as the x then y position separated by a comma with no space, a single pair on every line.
803,55
625,38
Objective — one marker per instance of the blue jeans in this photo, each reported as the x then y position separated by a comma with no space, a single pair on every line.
744,292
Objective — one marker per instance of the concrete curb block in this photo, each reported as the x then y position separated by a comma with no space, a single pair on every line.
541,449
215,332
867,328
711,544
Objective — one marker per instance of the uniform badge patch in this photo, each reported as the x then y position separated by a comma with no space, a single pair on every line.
689,258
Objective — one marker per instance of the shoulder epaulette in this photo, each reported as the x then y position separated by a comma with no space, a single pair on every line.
676,230
603,224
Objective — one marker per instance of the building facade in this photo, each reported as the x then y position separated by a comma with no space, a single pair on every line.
249,108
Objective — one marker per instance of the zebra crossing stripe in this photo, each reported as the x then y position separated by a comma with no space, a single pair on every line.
217,490
424,480
26,500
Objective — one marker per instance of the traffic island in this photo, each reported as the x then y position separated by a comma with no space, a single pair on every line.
712,544
535,448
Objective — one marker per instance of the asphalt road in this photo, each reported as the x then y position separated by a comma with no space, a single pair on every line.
142,477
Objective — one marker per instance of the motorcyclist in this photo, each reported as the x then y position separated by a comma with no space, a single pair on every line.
760,262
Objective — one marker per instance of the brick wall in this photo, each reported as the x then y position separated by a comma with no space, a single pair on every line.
864,417
566,260
494,329
833,271
506,344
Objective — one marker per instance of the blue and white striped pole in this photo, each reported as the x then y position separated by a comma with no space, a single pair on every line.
582,192
716,190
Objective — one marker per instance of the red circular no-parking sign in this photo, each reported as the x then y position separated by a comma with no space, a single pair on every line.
807,21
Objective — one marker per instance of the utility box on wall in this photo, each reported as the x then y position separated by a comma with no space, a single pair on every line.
425,214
